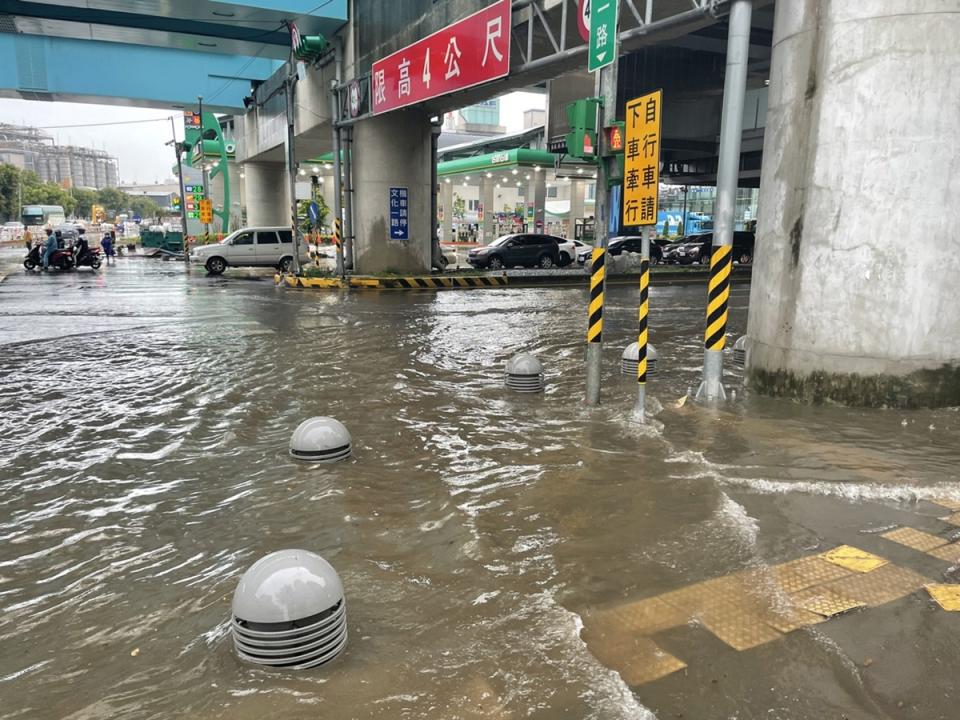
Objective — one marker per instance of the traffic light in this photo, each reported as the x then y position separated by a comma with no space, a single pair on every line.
582,138
307,47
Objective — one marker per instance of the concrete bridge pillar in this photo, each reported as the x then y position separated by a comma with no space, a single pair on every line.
489,210
265,189
577,193
392,150
537,192
853,297
446,202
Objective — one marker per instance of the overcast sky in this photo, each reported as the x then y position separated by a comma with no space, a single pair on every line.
139,146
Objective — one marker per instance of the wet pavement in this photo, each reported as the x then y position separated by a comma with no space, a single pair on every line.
146,412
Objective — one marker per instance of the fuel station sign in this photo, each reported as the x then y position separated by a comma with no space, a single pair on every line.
469,52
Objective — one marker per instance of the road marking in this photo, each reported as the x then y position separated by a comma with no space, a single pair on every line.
947,596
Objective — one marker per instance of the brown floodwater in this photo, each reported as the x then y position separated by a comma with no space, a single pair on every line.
145,413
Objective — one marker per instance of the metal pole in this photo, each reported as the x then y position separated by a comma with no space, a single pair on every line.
183,201
347,136
683,217
337,180
203,167
292,165
643,310
435,252
607,90
728,170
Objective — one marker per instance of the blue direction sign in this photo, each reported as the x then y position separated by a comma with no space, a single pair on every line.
399,214
314,213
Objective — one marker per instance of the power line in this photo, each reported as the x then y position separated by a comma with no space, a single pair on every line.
104,124
263,47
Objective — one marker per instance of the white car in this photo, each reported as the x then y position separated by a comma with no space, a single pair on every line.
568,251
449,257
251,247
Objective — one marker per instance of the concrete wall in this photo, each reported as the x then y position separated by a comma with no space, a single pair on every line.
265,194
392,150
853,297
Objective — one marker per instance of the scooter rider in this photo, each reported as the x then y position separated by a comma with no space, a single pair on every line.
50,248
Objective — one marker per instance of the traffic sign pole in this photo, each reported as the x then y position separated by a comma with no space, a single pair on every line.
601,16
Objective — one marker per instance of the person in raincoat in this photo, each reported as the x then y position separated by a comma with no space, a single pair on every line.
50,248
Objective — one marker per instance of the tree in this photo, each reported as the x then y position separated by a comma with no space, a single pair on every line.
114,201
144,207
459,206
9,192
85,199
680,229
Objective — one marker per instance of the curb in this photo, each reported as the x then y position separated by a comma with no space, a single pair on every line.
471,282
400,283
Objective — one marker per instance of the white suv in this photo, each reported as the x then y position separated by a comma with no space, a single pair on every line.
257,246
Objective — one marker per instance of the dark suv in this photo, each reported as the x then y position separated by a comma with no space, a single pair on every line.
510,250
743,242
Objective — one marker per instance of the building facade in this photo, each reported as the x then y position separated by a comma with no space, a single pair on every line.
69,166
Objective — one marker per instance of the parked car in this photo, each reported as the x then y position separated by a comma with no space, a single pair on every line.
528,250
684,252
568,251
251,247
449,259
629,244
743,243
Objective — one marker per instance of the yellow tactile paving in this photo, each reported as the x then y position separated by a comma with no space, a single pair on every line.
953,519
806,572
648,616
793,618
739,626
949,553
947,596
881,586
825,602
852,558
638,659
916,539
947,503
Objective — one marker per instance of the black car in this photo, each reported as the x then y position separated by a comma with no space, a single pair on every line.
527,250
697,248
743,243
619,245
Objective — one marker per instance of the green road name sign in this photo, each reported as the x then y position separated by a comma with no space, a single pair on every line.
603,33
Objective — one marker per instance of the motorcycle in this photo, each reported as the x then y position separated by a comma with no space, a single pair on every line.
62,259
84,255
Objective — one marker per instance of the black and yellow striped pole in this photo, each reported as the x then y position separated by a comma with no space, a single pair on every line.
644,310
595,325
338,240
714,336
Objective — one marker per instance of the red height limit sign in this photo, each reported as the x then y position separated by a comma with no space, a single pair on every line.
469,52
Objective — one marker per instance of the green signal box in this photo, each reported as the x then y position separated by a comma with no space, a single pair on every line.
582,138
310,47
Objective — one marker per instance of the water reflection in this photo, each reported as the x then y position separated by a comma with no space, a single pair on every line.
146,469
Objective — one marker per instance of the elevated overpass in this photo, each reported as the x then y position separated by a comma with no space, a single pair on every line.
148,54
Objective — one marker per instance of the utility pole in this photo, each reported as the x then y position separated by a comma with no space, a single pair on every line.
203,167
728,172
337,179
607,91
289,86
178,148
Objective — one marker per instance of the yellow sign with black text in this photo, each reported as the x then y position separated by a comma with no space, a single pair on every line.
641,159
206,211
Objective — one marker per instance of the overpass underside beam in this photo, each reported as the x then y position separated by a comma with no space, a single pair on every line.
49,68
547,43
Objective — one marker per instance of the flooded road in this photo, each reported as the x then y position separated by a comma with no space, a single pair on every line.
146,412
